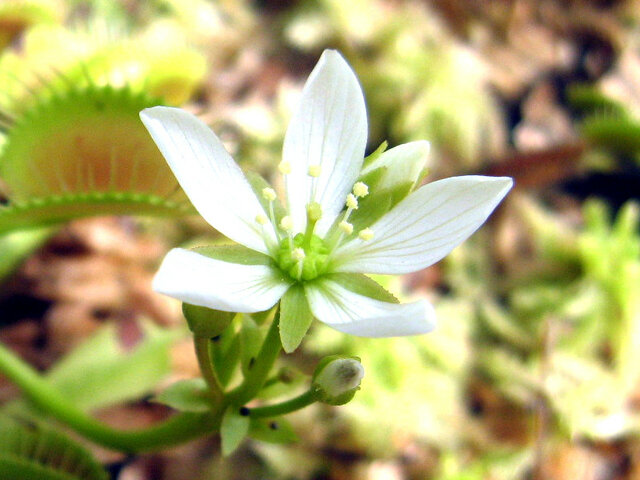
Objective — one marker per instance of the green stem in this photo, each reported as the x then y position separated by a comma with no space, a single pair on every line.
178,429
206,368
229,361
297,403
257,376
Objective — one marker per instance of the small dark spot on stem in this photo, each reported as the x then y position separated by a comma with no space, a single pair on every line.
244,411
216,338
252,360
274,426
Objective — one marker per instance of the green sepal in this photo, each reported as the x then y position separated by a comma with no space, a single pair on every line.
295,317
272,431
251,337
372,207
373,178
191,395
233,429
375,154
234,254
362,285
206,322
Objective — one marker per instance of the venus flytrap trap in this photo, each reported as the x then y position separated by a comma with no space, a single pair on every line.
307,257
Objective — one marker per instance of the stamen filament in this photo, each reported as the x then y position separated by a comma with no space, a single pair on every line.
269,194
314,213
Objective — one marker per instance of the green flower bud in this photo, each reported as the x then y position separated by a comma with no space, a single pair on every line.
337,379
205,322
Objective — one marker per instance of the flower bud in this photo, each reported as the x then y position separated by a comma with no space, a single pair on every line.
205,322
337,379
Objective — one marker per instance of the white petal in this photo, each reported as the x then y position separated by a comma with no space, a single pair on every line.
403,164
329,129
209,176
207,282
356,314
425,226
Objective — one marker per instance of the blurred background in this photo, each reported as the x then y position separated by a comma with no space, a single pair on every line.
534,370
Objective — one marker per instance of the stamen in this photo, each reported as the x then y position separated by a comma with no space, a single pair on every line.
314,213
284,168
366,234
286,224
314,170
360,189
352,202
262,219
346,227
269,194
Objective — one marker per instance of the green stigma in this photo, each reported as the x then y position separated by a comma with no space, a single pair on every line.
303,267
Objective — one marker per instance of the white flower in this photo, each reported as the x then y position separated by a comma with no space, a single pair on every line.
312,254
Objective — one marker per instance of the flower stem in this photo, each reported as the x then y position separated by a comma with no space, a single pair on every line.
257,376
206,368
178,429
226,364
296,403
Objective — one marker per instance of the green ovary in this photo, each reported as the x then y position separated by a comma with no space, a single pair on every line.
314,263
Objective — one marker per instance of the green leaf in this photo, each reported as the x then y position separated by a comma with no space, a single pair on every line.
206,322
295,318
272,431
99,372
35,451
233,429
190,395
234,254
362,285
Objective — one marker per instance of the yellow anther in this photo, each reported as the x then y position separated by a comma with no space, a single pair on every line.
286,224
284,168
352,202
360,189
314,212
262,219
269,194
314,170
298,254
346,227
366,234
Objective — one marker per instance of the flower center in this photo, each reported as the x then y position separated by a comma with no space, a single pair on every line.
306,256
303,257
